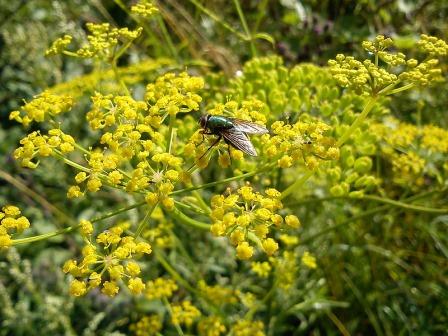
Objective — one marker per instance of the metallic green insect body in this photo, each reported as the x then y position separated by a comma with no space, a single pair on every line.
234,131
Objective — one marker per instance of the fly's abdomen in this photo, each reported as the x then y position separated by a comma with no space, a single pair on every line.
218,123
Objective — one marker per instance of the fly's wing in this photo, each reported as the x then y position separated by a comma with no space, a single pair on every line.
249,127
239,140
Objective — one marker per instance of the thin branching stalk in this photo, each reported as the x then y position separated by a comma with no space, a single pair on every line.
74,227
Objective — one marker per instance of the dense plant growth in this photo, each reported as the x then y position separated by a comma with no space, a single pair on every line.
122,216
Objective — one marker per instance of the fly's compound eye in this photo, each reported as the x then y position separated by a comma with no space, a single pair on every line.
203,121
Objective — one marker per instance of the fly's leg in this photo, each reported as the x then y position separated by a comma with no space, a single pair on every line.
212,145
203,133
228,151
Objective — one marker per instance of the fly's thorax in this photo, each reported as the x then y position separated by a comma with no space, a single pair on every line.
218,123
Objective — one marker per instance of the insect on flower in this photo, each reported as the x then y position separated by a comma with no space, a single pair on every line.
234,131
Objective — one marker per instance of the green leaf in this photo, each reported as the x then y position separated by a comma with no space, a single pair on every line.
264,36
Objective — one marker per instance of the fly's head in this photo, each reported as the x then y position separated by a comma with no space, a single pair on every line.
203,121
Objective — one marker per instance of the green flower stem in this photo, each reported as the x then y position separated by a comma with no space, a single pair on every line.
202,204
170,269
404,205
35,196
296,184
400,89
341,327
103,177
245,27
171,133
168,307
71,163
119,211
254,309
70,53
183,218
387,88
81,148
189,207
118,77
216,18
254,238
45,235
313,200
144,221
371,315
374,198
180,246
167,37
73,227
358,121
367,213
230,179
150,32
121,51
180,280
261,12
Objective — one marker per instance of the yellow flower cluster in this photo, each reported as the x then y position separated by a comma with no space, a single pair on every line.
218,295
407,167
160,288
286,269
109,110
399,134
11,222
308,260
248,328
262,269
418,147
432,45
369,77
379,44
283,267
103,39
35,145
184,313
247,216
107,262
134,73
349,72
59,45
144,8
163,185
424,73
434,138
378,47
43,107
147,326
134,132
172,94
211,326
306,142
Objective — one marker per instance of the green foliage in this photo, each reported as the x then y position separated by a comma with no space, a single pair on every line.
337,226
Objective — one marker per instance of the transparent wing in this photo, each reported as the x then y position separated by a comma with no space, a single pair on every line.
239,140
249,127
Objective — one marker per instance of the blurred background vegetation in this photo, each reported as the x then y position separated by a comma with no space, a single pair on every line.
385,274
